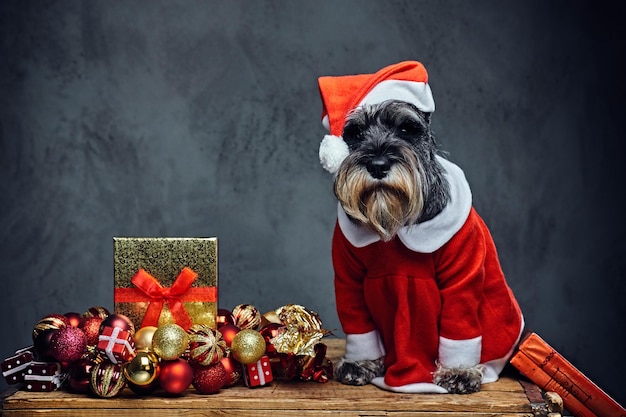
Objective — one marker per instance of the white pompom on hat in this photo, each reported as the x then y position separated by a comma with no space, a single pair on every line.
406,81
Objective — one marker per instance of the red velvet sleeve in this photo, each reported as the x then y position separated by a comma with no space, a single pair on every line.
460,276
349,275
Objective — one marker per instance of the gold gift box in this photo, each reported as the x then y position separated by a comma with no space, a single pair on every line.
164,259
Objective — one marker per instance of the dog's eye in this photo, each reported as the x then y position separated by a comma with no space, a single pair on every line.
410,128
352,134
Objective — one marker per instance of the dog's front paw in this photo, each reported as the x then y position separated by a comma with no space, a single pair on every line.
359,372
461,380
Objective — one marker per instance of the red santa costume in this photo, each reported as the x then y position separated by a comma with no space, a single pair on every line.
434,293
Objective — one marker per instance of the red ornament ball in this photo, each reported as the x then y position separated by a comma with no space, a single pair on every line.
101,312
233,371
228,332
50,322
41,344
74,319
91,327
118,320
224,316
209,379
269,332
68,344
79,375
176,376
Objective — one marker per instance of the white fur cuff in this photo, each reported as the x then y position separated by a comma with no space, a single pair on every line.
366,346
460,353
415,388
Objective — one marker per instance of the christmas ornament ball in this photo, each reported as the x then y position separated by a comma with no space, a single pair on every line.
91,327
143,337
170,341
118,320
206,345
97,311
209,379
228,332
74,319
41,344
246,316
143,369
79,375
224,316
142,389
68,344
50,322
107,379
247,346
176,376
233,371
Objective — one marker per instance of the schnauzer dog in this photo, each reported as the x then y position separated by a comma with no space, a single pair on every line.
419,289
391,178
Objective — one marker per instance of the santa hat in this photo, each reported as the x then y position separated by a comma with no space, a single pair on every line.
406,81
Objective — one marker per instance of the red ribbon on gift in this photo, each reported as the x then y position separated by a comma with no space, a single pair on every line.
149,289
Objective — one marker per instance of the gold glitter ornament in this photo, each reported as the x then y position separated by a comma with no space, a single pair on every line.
143,337
143,369
170,341
248,346
246,316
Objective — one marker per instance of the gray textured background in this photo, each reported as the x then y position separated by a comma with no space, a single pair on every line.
177,118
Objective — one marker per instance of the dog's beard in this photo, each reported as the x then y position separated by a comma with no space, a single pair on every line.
382,205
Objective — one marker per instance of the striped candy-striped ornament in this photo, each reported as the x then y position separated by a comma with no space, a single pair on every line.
206,345
107,379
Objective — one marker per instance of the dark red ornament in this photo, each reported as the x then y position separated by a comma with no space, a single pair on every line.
50,322
74,319
118,320
269,332
91,327
176,376
229,331
68,344
41,344
79,375
209,379
232,369
224,316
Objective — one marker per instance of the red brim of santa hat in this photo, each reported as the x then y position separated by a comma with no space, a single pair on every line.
405,81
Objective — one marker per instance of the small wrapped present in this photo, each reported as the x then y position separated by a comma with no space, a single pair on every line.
258,373
118,345
43,376
166,280
14,367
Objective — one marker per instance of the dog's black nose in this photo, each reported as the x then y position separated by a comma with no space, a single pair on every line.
379,166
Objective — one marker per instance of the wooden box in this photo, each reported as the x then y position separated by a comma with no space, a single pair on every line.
507,397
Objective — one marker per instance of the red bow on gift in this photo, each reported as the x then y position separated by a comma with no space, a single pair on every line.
149,289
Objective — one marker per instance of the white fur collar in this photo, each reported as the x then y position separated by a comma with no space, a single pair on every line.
424,237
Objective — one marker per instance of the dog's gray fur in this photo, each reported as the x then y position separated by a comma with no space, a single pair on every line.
392,179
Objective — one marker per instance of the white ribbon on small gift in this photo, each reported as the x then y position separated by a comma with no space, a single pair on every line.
112,341
20,367
55,379
260,371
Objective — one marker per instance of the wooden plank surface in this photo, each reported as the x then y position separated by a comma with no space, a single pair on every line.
282,398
